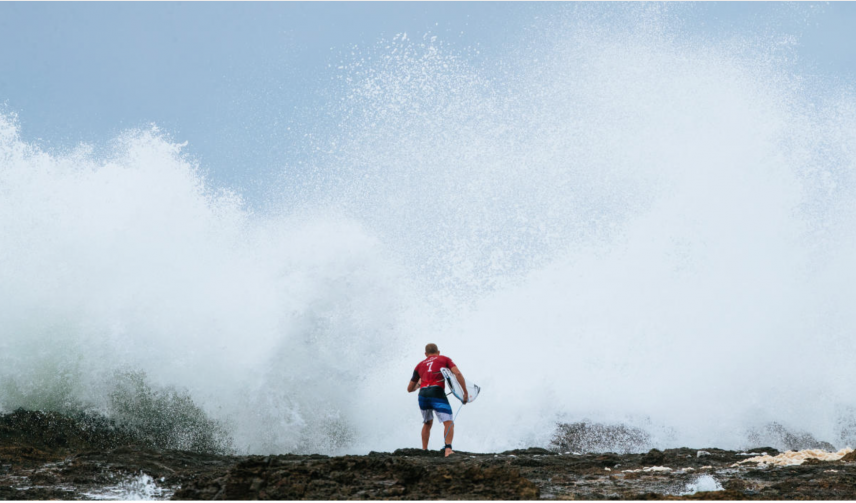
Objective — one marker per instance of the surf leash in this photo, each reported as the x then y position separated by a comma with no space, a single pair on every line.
454,418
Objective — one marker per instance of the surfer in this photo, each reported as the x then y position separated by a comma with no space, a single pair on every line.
432,395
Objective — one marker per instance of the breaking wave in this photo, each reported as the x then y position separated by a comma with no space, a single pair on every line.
617,222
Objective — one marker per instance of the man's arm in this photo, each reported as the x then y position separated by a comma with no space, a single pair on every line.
463,382
413,385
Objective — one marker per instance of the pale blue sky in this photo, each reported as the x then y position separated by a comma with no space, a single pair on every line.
230,78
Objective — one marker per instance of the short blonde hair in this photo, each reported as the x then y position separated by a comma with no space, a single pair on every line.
431,349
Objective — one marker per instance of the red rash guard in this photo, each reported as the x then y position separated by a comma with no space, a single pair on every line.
429,371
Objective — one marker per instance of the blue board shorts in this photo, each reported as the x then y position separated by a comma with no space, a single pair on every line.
434,401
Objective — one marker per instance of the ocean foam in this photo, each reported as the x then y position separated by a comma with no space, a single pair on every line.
791,458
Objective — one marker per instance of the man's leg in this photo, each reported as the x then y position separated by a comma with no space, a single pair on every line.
426,432
449,434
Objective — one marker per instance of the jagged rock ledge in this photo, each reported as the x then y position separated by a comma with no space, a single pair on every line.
50,456
377,476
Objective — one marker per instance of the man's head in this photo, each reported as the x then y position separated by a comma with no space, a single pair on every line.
431,350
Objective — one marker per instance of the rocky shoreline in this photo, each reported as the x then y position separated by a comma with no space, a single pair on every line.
50,456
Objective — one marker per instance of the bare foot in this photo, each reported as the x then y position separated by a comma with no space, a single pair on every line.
449,452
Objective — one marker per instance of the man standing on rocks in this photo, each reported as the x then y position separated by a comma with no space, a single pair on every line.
432,394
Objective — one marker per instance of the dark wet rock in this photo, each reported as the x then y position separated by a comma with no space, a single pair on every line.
654,457
700,457
584,437
48,455
34,493
363,477
735,485
51,456
726,495
418,452
849,457
530,451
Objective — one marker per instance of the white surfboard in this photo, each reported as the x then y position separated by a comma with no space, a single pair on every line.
458,390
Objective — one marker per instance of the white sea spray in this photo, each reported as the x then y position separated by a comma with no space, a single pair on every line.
702,483
619,222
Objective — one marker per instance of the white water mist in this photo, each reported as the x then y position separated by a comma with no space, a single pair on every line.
617,222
